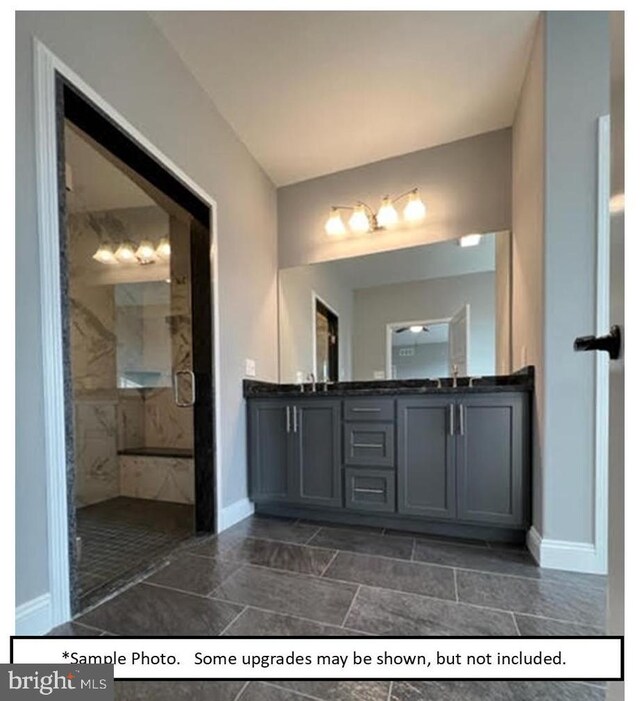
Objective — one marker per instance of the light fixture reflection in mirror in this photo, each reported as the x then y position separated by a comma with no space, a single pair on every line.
105,255
146,253
125,253
164,249
469,240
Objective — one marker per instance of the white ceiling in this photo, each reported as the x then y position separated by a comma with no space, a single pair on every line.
311,93
434,260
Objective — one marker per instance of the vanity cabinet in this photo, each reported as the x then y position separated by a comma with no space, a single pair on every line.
454,463
464,458
491,465
426,457
294,451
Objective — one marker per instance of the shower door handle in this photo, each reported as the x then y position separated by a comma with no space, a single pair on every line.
176,388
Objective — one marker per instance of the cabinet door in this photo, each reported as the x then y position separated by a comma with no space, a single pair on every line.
315,470
426,463
268,449
491,459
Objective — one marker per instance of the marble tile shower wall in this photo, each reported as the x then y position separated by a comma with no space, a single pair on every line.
109,419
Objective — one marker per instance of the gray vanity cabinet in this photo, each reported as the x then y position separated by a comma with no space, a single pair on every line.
294,451
269,449
464,458
315,474
490,458
426,457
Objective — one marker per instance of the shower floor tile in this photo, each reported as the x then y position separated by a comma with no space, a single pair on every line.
122,537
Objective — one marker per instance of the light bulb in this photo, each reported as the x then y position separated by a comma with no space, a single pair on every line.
335,225
359,221
415,329
387,215
104,254
125,253
163,249
414,209
146,253
469,240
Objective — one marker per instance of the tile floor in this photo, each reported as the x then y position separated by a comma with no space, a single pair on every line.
270,576
123,536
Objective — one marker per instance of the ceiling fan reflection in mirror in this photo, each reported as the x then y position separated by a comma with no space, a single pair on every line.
416,328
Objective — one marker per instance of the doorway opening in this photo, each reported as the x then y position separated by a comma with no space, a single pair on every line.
137,333
326,341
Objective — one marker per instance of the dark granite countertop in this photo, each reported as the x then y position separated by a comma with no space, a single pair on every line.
520,381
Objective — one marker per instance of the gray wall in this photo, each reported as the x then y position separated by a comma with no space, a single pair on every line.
428,360
554,234
577,93
466,186
297,318
125,58
439,298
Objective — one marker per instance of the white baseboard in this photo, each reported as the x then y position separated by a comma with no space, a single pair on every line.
34,617
534,542
230,515
565,554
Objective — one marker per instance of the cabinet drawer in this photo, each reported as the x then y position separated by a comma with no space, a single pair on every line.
370,490
369,444
369,409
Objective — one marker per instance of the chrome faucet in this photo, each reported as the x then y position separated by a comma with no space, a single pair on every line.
454,375
312,378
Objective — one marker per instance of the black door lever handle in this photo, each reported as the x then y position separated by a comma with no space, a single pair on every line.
610,343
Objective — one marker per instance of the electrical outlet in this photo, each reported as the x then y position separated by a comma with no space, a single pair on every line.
250,367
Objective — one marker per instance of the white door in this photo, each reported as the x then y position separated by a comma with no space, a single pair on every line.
615,612
459,341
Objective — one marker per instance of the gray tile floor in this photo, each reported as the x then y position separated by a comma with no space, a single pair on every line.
285,577
123,536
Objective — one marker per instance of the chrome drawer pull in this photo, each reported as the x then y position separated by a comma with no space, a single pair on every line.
367,445
362,409
368,491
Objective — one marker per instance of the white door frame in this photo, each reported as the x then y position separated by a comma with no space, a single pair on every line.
601,360
46,65
388,369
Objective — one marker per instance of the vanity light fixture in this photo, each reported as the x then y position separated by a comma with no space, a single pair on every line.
469,240
126,252
146,253
163,250
364,220
105,254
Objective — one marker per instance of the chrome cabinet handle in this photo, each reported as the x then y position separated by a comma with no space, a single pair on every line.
461,418
367,445
362,410
176,388
295,419
451,420
364,490
288,419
